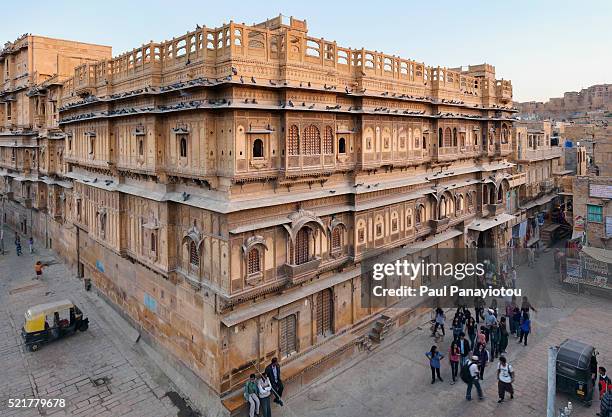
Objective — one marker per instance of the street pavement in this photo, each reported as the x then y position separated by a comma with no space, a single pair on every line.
394,380
99,372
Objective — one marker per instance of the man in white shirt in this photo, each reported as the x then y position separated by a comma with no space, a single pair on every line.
505,377
473,368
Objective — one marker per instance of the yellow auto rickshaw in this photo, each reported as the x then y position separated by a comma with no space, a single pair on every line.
51,321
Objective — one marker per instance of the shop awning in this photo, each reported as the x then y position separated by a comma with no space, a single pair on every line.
539,201
601,255
482,224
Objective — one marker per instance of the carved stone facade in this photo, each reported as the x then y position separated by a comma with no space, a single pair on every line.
228,185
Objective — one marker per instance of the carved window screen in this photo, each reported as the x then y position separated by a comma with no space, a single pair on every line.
328,141
253,264
293,140
301,252
336,239
312,141
324,312
194,257
287,335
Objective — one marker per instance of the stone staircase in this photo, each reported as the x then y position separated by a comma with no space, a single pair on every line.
381,327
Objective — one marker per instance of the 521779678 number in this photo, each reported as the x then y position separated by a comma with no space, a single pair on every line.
36,402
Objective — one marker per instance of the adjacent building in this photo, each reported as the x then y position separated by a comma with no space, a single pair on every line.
224,190
32,70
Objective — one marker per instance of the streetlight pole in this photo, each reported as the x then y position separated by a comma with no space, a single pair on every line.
552,381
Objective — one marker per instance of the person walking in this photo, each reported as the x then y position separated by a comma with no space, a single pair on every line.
38,268
510,312
525,328
531,257
464,348
505,377
471,327
478,309
483,358
473,379
439,321
454,355
526,305
513,277
434,363
604,382
494,339
17,244
503,336
264,387
457,328
251,394
516,318
481,338
273,372
31,244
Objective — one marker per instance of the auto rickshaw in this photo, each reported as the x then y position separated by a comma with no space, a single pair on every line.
51,321
576,362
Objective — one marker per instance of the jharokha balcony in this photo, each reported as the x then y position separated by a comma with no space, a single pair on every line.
304,271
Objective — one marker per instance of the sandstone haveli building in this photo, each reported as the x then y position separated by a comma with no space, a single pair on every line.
225,188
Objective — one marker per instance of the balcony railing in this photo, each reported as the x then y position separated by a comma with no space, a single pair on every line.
538,154
547,186
304,271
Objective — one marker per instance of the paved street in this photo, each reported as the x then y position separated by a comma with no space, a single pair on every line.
98,372
102,373
395,379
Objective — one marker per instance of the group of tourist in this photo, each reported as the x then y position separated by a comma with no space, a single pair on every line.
258,389
480,338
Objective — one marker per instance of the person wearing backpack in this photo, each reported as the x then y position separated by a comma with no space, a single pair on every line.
505,377
469,375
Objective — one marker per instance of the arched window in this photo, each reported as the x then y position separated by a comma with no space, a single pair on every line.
258,149
500,194
470,201
253,262
460,205
505,134
409,219
341,146
455,136
312,141
448,140
325,312
194,257
442,208
328,141
420,214
293,147
140,147
440,138
92,145
336,239
183,146
302,250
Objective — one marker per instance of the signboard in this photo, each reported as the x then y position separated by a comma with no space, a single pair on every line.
579,224
608,226
573,268
600,191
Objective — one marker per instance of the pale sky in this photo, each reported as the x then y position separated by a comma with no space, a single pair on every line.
544,47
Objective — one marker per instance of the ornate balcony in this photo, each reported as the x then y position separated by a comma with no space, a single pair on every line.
491,210
439,225
445,153
302,272
530,155
546,186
